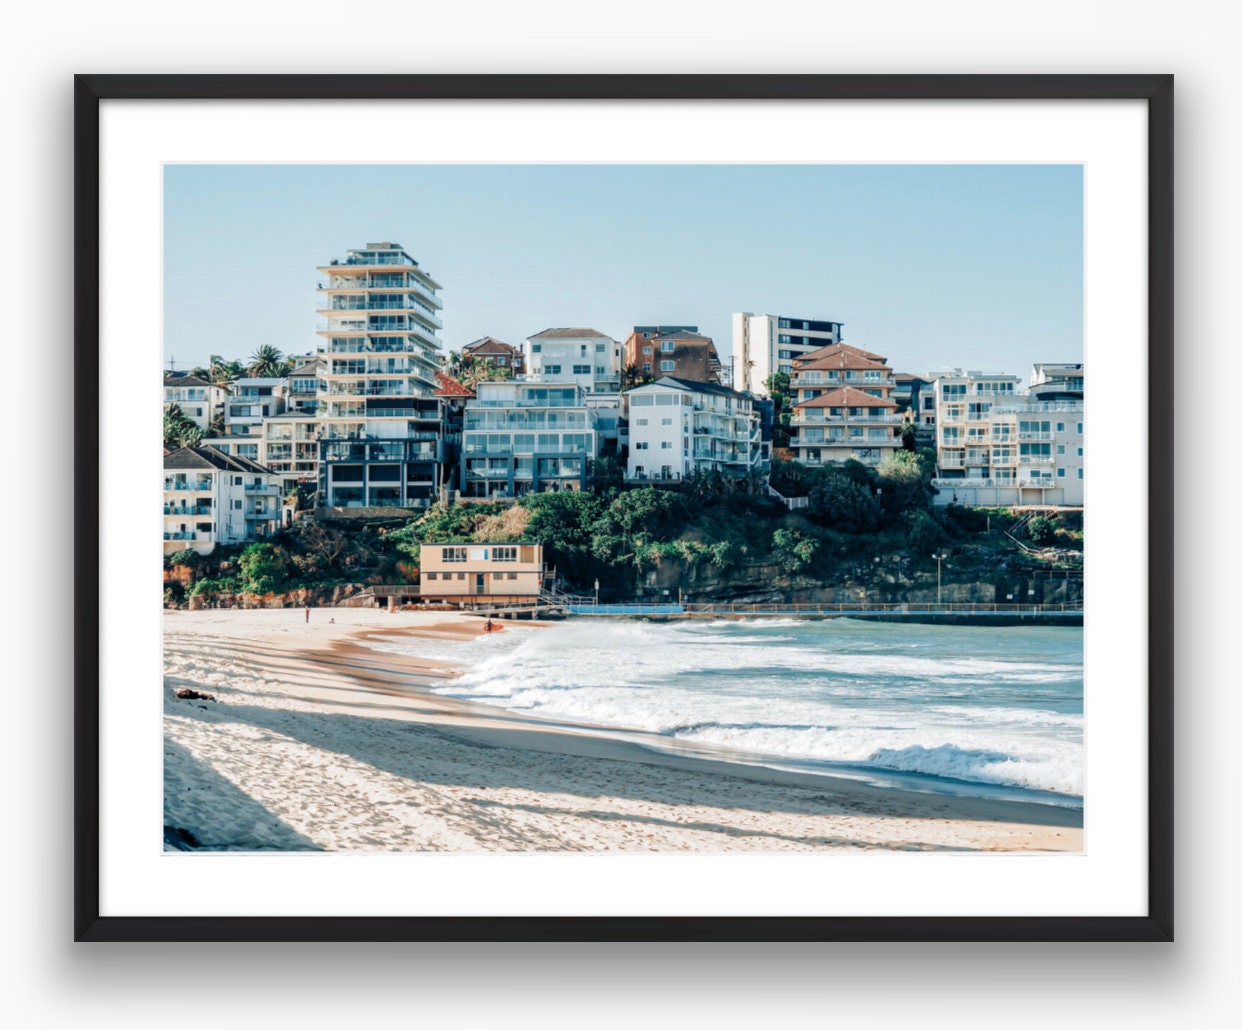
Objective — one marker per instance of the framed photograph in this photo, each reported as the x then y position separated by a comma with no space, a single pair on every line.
623,508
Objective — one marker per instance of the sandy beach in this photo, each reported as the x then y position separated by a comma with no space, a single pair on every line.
316,741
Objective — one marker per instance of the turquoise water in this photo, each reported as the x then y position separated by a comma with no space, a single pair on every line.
982,710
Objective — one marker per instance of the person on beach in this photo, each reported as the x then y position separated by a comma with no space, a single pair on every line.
308,614
488,627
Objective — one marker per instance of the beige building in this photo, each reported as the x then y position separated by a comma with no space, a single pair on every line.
843,407
470,573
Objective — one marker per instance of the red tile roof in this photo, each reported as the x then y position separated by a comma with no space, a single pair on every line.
845,397
450,387
839,355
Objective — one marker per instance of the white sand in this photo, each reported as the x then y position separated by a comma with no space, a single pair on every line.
317,742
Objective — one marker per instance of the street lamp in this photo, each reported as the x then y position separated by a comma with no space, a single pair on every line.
939,558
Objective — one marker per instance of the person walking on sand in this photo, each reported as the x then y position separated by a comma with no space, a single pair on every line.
308,613
488,627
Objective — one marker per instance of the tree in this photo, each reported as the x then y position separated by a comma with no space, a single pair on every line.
328,542
221,372
904,483
264,568
843,504
793,549
266,362
606,476
632,376
923,531
1042,530
179,429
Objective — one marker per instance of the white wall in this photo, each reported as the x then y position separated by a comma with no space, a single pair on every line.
659,984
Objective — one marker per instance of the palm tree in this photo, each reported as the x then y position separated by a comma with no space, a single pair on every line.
222,372
266,361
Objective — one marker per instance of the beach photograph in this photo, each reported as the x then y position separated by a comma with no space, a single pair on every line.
507,508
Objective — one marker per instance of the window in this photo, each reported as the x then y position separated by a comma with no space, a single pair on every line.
582,370
454,554
432,575
1060,427
504,554
1060,448
554,370
665,445
668,366
784,338
599,348
536,348
642,422
1080,429
1080,452
646,366
641,445
666,421
783,323
460,575
1080,473
1060,473
646,350
511,575
667,346
237,505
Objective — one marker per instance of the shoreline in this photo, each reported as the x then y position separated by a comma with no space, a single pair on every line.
407,769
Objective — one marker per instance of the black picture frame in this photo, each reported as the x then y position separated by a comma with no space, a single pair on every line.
1155,90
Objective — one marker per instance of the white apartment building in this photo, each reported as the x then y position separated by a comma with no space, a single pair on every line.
583,356
766,344
524,436
679,426
250,401
304,385
1058,381
248,447
198,399
213,498
996,446
380,442
289,447
379,347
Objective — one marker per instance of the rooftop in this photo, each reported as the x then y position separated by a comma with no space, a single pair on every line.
568,334
694,385
846,397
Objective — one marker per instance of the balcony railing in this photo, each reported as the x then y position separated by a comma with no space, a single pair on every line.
202,485
1038,437
200,510
1030,459
262,488
802,419
180,536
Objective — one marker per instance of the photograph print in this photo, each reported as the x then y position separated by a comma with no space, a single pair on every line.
632,508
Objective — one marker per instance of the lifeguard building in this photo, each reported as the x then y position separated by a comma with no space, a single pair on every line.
474,573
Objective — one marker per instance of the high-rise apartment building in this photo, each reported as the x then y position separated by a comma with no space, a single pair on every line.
766,344
380,418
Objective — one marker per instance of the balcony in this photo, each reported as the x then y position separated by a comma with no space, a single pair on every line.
801,419
198,510
1030,459
183,536
1037,437
262,488
203,485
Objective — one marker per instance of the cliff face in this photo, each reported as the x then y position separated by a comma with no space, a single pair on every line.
896,579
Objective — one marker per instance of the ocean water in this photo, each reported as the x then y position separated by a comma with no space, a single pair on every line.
975,710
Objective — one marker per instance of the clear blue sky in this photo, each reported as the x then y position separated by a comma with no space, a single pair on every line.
930,265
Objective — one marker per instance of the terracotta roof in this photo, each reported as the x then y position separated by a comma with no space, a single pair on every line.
567,334
845,397
450,387
490,345
838,354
